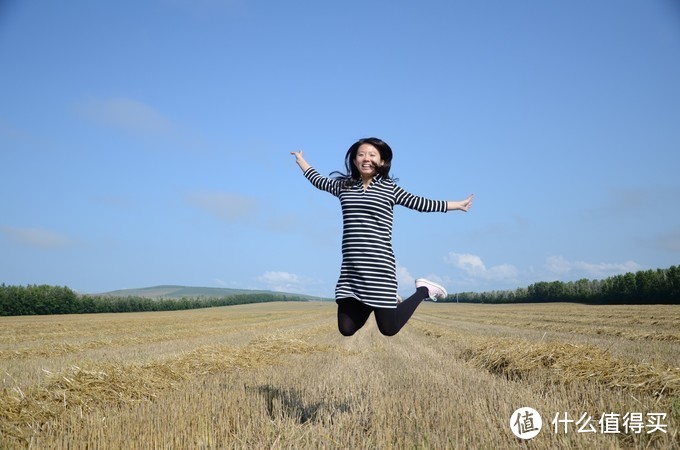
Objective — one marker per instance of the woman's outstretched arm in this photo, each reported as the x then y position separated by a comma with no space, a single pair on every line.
304,165
319,182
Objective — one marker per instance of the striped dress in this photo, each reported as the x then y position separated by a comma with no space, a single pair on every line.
368,271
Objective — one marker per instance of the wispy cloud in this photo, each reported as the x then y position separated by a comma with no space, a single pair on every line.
11,132
285,281
562,267
633,201
404,278
128,114
22,140
206,9
283,222
508,228
40,238
224,205
669,241
116,201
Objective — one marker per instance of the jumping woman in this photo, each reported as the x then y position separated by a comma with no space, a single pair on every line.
368,277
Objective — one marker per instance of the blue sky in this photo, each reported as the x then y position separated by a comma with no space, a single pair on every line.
148,142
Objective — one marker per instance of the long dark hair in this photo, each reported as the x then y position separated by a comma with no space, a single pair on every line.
352,175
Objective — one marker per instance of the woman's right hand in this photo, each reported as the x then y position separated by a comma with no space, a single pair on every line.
298,155
300,160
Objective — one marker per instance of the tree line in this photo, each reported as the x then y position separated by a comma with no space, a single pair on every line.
642,287
45,299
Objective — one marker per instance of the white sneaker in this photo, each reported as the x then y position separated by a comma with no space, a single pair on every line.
435,291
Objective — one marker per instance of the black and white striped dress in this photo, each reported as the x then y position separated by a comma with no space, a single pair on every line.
368,271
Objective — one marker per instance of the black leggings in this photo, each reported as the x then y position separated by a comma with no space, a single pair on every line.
352,314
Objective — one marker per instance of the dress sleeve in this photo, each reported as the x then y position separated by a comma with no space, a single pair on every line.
403,198
323,183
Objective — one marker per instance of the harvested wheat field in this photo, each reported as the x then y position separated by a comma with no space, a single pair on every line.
279,375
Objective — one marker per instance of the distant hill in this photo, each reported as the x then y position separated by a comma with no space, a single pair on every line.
171,291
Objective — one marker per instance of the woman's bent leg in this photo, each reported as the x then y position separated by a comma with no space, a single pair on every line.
352,315
390,321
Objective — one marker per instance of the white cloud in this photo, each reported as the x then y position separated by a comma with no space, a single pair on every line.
474,267
223,205
470,263
279,277
41,238
284,281
404,278
560,266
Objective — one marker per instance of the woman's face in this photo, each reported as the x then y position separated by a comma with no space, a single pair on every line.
367,161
